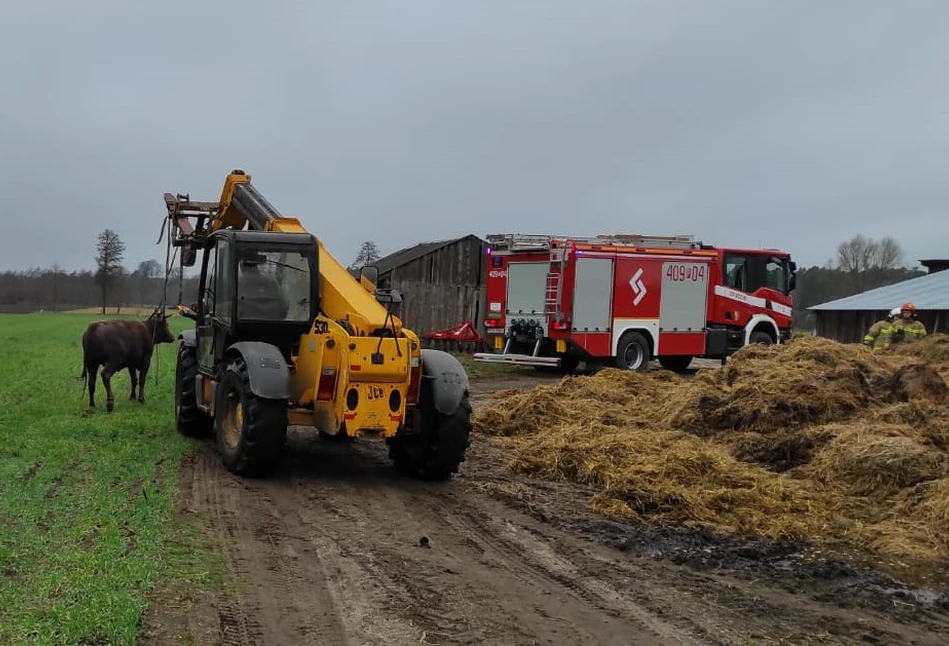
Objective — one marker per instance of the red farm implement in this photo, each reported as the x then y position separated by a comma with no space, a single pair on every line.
461,338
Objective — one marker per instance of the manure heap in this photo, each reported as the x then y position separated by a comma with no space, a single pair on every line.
810,440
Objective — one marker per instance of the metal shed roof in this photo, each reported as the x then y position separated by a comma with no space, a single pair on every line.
404,256
929,292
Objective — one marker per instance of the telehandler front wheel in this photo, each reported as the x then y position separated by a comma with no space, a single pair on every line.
190,420
435,449
251,431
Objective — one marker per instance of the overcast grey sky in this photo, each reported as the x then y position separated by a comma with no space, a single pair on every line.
794,124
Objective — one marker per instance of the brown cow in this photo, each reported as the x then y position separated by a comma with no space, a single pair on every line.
121,344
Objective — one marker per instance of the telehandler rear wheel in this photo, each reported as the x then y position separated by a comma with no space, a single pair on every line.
251,431
435,449
190,420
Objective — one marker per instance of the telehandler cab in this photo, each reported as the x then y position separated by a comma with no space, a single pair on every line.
285,335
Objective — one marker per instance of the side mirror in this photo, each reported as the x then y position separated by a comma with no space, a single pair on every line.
188,256
792,282
368,277
370,273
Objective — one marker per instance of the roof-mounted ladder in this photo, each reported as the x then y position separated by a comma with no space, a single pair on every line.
636,240
519,242
526,242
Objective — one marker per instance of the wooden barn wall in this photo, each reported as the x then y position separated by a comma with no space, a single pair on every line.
850,327
444,288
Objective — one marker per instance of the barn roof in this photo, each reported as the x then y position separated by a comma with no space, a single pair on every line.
408,254
929,292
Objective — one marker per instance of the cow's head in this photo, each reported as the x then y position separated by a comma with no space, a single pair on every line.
159,324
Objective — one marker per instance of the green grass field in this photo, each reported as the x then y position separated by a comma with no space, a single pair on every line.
85,496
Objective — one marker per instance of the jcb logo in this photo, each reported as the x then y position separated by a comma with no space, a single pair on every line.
497,273
376,393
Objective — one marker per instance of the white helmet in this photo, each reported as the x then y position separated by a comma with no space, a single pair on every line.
895,313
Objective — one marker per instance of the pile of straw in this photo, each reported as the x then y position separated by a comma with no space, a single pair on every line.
813,439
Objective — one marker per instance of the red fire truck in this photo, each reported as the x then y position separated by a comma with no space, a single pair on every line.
554,301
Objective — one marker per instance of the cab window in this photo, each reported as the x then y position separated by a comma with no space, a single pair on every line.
749,273
777,274
274,286
224,283
210,283
736,272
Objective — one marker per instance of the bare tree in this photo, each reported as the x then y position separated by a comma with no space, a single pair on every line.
110,250
890,253
144,278
57,272
851,258
149,269
867,260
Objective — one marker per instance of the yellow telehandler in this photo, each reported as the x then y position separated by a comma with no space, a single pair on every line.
285,335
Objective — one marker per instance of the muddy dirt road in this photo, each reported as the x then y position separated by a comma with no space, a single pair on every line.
337,549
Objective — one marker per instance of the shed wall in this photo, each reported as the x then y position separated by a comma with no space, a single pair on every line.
443,288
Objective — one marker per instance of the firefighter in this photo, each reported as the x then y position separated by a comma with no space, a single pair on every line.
877,335
907,328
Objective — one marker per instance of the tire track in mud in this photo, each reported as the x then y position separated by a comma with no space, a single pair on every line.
328,551
467,586
280,604
538,559
204,495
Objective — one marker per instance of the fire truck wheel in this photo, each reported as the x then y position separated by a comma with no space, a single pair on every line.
675,363
568,365
762,338
633,352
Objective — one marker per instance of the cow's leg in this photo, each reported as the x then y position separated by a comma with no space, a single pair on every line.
142,372
91,374
133,378
107,372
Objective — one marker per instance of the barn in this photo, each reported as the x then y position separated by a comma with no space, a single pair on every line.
441,282
848,319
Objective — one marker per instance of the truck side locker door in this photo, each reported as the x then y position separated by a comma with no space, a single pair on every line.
593,305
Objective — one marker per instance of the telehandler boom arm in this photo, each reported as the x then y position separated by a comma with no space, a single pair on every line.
341,295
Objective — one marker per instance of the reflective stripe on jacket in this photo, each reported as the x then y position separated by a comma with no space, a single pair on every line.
876,336
902,331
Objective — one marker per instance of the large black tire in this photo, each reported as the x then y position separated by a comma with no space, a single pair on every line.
251,431
436,449
675,363
568,364
633,352
190,420
761,338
